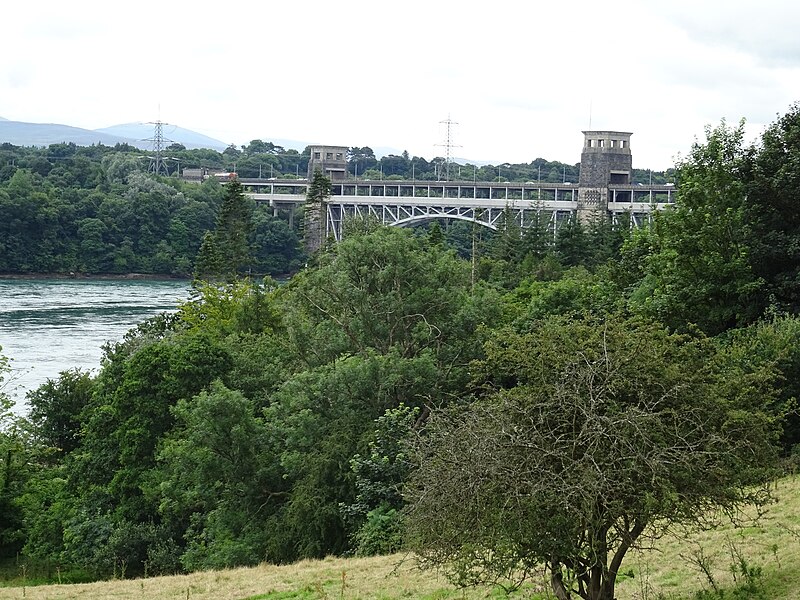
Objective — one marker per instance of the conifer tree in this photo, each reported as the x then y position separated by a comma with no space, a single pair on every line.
227,251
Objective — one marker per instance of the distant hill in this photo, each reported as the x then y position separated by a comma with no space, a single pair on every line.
44,134
171,133
20,133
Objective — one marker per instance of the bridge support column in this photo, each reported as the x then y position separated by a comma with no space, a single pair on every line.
592,202
314,226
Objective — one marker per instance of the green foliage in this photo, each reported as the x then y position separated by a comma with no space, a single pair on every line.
12,469
698,271
112,473
320,187
276,246
86,224
56,406
223,309
773,344
382,532
227,252
576,292
217,475
771,212
382,290
380,475
586,435
319,420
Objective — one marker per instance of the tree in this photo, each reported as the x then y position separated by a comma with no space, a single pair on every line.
208,262
360,159
227,252
572,243
771,212
537,239
379,477
55,408
14,466
218,476
698,271
585,438
381,290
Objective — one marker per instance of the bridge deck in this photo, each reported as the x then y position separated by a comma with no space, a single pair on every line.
293,191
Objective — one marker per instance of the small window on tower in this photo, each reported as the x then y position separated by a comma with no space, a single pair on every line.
316,155
600,143
328,155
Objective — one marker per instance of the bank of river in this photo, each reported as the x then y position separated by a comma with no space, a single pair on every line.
53,324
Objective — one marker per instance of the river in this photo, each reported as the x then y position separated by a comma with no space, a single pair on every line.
50,325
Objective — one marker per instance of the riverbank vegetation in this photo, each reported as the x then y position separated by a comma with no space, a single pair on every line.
532,413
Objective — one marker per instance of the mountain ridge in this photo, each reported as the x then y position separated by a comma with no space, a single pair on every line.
22,133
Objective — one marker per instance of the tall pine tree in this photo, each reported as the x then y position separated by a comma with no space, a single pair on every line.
227,251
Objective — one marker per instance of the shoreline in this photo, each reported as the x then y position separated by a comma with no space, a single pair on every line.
95,276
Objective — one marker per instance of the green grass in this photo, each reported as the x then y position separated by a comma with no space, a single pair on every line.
757,562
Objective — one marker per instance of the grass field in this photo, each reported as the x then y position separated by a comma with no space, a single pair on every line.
766,556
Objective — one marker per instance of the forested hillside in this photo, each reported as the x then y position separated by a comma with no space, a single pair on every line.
72,209
532,403
69,209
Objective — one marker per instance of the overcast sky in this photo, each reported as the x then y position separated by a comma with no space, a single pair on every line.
522,79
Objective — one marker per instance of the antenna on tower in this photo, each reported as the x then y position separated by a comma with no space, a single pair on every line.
448,144
157,164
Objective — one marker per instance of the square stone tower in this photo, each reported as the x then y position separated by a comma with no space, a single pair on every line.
331,160
605,160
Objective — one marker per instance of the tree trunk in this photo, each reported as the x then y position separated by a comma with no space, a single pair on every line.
557,583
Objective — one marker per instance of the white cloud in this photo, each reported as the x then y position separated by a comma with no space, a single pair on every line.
521,80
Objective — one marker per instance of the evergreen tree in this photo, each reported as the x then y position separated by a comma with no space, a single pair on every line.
537,240
572,243
207,265
507,243
435,235
227,251
234,225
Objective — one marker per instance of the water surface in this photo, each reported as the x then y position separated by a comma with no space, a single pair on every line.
50,325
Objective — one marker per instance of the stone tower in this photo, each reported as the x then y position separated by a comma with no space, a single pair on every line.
330,160
605,160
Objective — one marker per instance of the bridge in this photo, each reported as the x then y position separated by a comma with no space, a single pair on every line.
408,202
605,188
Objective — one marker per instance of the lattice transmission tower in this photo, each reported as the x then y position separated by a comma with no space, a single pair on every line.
157,164
448,146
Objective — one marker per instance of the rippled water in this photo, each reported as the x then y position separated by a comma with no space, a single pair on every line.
48,326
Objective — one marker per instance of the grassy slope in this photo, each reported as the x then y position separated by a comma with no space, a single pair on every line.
773,544
668,571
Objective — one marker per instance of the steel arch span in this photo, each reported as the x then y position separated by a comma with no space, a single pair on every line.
404,215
